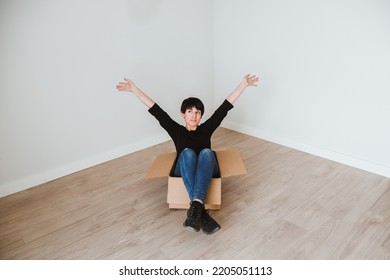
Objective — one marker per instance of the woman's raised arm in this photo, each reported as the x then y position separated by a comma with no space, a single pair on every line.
249,80
129,86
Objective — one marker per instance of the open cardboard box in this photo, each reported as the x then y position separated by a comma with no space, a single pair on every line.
229,162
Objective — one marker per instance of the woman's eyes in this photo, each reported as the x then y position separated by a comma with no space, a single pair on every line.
196,112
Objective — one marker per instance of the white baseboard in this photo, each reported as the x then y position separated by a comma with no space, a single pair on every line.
331,155
55,173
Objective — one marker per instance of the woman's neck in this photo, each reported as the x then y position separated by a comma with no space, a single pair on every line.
191,128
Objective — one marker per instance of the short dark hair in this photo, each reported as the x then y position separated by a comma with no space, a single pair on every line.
190,103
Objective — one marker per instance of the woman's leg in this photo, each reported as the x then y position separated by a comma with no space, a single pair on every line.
204,172
207,169
196,173
186,168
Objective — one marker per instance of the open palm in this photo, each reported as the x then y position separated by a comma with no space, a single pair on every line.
251,80
128,85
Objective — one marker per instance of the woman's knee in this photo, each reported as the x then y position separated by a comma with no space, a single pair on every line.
206,151
188,152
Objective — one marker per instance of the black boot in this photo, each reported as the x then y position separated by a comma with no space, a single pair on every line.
208,224
192,223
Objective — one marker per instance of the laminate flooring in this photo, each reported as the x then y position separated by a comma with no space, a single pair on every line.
290,205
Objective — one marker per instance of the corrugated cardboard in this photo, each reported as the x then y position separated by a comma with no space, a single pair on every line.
229,162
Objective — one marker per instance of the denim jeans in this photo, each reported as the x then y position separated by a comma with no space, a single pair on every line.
197,171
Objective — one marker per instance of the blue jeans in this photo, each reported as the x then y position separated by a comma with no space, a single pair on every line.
197,171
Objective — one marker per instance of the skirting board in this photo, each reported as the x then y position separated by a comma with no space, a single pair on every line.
334,156
55,173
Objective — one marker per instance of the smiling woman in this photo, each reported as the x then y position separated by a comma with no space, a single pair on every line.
195,161
192,110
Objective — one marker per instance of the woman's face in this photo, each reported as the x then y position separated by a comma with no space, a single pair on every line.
192,118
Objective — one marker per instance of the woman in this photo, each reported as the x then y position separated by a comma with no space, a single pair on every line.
196,162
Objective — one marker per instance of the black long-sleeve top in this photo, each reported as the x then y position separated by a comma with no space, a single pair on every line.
198,139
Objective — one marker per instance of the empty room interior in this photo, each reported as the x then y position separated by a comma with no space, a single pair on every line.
313,135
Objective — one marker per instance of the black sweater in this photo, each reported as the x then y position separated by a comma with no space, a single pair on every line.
198,139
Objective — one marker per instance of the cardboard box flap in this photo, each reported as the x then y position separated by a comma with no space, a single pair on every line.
162,165
230,163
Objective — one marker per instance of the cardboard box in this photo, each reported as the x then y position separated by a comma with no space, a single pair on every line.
230,164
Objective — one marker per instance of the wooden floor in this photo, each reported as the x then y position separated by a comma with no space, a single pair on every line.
290,205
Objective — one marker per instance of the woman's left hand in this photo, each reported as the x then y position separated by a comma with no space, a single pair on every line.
250,80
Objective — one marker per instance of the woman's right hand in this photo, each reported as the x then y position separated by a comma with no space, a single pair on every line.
128,85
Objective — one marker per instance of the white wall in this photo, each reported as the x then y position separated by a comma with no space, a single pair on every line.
324,66
60,62
325,70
